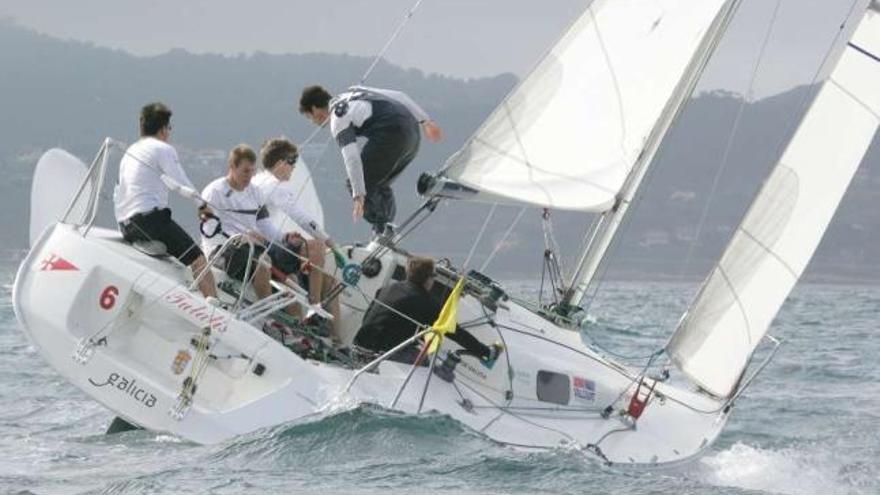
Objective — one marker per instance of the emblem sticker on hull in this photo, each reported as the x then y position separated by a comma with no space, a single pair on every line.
180,361
56,263
583,389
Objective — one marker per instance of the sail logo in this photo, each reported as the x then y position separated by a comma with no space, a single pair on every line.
127,387
55,263
583,389
199,311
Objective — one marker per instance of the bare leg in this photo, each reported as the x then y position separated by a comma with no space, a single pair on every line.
315,253
206,285
333,308
261,281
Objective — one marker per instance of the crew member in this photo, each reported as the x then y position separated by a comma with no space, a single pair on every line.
240,209
377,131
148,169
384,327
279,157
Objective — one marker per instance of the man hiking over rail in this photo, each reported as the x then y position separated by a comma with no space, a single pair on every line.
148,169
378,133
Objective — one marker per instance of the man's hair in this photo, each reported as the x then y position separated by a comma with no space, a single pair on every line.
419,269
313,96
154,117
276,149
241,153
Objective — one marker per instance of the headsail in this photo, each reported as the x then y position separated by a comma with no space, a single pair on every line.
783,227
569,135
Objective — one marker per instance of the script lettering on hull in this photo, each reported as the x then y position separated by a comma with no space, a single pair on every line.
200,311
127,387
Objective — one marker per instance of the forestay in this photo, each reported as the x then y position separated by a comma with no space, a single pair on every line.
567,137
780,232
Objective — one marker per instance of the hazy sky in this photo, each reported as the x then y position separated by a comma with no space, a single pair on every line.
456,37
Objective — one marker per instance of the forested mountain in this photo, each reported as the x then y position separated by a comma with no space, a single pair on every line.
72,94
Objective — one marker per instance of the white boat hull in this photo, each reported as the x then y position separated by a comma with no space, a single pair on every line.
73,287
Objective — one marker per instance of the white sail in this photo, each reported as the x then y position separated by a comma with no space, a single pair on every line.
777,238
569,135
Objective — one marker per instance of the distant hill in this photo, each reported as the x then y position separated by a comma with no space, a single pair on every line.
71,94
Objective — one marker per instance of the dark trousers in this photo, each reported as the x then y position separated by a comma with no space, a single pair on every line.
408,354
384,157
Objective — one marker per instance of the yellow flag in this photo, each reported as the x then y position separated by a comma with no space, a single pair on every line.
446,321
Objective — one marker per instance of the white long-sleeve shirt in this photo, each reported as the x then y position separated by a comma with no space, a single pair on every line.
351,113
140,188
283,199
239,212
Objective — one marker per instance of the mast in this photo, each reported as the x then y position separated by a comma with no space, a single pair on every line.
603,236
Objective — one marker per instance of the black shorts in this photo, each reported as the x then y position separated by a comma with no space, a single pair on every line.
287,263
236,258
157,225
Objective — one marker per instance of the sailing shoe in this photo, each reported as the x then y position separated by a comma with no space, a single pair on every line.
494,352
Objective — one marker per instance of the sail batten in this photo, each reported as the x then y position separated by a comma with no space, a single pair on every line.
774,243
568,136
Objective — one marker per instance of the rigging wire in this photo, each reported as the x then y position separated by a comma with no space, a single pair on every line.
747,98
381,54
479,237
500,243
802,105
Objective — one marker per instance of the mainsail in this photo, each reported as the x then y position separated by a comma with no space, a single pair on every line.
569,135
775,241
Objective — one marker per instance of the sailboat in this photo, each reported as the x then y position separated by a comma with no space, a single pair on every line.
579,133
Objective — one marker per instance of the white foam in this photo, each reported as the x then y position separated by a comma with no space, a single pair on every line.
802,471
167,439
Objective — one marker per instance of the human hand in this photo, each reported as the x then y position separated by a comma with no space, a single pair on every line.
329,243
205,211
432,131
358,211
256,238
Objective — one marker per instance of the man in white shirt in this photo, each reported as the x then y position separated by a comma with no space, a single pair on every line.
377,131
241,208
148,169
279,156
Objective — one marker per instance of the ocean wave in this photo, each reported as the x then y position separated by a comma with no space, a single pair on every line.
796,470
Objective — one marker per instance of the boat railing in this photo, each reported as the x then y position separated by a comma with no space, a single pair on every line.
83,208
284,296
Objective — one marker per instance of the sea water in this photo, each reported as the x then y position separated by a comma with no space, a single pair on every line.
809,425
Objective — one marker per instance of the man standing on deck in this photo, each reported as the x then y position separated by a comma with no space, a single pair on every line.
377,131
149,168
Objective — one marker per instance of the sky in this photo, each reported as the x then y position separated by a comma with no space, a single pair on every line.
462,38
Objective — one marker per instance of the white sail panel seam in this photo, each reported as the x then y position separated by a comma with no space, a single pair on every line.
854,98
770,251
739,304
613,75
532,165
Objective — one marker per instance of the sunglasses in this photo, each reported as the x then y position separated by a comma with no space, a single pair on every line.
291,160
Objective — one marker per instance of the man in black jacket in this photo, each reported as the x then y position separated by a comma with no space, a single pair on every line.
378,132
384,328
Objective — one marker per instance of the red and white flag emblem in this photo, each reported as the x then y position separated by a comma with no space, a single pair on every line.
55,262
